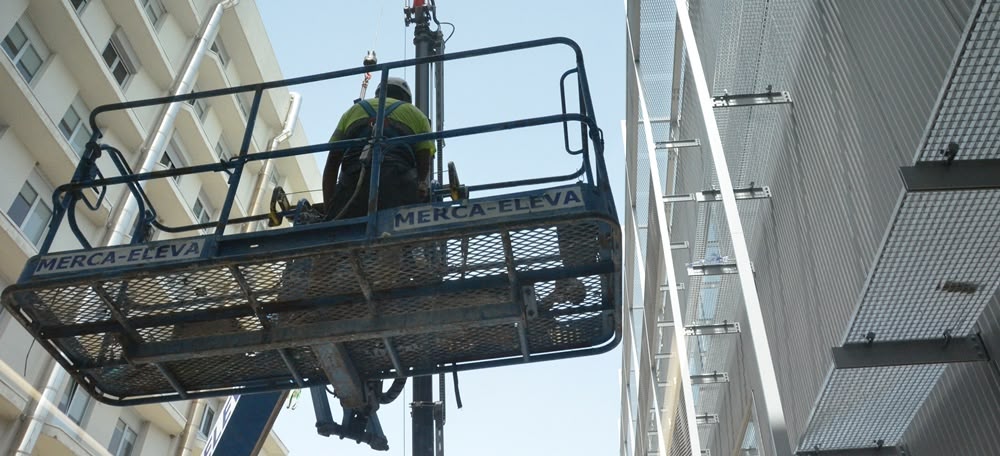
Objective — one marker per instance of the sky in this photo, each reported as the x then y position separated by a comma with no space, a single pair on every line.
549,408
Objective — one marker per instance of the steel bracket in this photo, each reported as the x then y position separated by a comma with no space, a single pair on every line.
958,175
711,196
909,352
707,379
706,418
751,99
872,451
712,329
721,266
681,144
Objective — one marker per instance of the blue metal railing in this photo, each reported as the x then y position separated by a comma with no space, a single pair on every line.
87,174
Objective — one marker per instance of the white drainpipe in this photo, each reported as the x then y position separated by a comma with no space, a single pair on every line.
152,149
185,446
292,116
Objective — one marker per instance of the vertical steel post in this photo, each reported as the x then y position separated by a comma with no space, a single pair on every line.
423,387
758,334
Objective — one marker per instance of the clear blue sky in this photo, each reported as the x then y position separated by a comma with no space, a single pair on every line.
564,407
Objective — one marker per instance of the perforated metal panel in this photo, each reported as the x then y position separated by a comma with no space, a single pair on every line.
970,107
938,268
860,406
453,299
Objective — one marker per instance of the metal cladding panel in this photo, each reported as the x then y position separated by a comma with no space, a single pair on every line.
974,90
864,78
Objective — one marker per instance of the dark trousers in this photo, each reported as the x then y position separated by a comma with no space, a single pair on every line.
397,186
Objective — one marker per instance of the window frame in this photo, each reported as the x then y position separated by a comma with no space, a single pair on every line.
123,439
199,105
40,187
124,56
32,43
205,212
173,156
222,150
207,420
80,7
76,107
219,48
74,391
155,19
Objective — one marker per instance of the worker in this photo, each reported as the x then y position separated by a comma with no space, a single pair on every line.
405,168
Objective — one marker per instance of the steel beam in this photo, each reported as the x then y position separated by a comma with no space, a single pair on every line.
909,352
710,268
339,369
708,379
707,418
712,329
873,451
331,331
751,99
711,196
681,144
959,175
773,418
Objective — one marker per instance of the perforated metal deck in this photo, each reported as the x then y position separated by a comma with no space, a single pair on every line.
939,265
479,293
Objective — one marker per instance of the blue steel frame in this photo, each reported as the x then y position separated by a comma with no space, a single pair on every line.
66,196
222,250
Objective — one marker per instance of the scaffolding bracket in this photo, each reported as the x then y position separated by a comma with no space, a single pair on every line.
712,329
721,266
679,144
751,99
708,379
873,451
958,175
910,352
711,196
706,418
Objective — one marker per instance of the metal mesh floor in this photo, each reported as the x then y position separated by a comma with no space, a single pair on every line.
247,327
938,268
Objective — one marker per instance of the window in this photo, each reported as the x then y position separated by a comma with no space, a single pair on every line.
154,11
199,104
223,151
25,49
207,419
202,211
118,56
74,401
243,103
220,51
30,211
172,157
74,128
123,440
78,5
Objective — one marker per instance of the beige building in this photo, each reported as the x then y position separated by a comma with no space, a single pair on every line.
63,58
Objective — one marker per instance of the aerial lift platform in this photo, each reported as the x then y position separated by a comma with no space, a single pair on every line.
461,282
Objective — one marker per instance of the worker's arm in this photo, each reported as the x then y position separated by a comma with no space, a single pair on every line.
330,172
423,157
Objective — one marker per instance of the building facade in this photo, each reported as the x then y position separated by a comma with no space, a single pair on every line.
63,58
811,261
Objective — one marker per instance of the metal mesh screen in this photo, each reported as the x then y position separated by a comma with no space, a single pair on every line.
389,288
969,114
859,406
939,268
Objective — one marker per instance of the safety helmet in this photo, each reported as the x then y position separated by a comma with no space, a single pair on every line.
398,89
